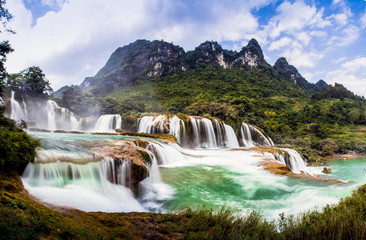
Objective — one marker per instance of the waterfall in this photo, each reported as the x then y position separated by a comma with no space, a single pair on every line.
17,113
196,131
219,134
251,136
204,133
294,161
210,141
59,118
117,171
51,115
175,127
230,137
150,124
25,108
145,124
92,186
165,154
246,135
152,190
108,123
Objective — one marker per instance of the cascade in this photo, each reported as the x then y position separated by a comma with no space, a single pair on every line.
108,123
251,136
118,172
205,134
152,190
91,186
51,115
145,124
17,113
209,133
175,127
219,133
294,161
59,118
165,154
25,107
246,135
196,131
230,137
150,124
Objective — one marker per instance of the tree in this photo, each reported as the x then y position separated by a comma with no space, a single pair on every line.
5,49
36,84
354,115
79,102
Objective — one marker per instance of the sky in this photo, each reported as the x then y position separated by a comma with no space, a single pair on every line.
73,39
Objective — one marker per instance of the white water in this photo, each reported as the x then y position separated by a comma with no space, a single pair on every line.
210,141
145,124
214,177
59,118
219,133
295,162
108,123
94,186
175,127
247,131
246,135
17,112
231,140
196,132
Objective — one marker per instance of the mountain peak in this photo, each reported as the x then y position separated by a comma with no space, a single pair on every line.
251,55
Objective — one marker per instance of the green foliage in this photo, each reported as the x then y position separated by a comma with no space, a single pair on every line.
328,147
338,91
347,220
31,82
17,148
79,102
5,49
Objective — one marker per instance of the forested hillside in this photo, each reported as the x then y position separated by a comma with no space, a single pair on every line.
233,86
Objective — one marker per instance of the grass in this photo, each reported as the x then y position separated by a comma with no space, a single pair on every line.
25,218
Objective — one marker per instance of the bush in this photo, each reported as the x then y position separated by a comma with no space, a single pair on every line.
328,147
17,148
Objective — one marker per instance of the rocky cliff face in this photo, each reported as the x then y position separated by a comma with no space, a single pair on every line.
139,59
145,59
291,74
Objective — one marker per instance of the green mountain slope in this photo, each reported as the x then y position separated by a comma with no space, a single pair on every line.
146,77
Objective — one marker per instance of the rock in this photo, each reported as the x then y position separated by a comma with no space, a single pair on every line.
327,170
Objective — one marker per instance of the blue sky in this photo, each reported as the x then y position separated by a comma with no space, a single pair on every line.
72,39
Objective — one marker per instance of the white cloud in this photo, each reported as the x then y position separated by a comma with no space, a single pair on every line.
277,45
355,64
77,40
351,75
347,36
300,58
53,3
339,60
85,32
336,1
363,20
18,9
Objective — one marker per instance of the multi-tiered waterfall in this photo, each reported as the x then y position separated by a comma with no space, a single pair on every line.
70,177
200,132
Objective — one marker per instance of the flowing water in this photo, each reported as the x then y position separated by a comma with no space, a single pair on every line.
70,176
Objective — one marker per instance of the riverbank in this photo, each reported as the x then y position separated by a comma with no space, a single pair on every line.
26,218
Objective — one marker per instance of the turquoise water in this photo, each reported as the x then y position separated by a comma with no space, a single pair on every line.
212,178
